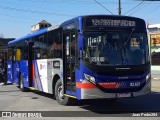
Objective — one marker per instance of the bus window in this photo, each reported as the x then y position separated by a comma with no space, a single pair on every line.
18,54
41,38
55,43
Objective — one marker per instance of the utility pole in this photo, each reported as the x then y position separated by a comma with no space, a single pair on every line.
119,7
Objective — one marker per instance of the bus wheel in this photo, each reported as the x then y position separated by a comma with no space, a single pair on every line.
21,85
61,99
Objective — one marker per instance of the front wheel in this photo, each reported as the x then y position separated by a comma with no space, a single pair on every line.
61,99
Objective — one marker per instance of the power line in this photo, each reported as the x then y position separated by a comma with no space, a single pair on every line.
103,6
15,21
18,17
31,11
67,2
152,10
80,1
134,8
147,4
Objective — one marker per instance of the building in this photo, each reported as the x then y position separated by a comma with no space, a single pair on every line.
4,50
40,25
154,37
4,47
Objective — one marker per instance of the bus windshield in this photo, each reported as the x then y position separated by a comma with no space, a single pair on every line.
115,48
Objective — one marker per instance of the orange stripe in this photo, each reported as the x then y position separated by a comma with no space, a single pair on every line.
33,73
91,86
85,85
108,85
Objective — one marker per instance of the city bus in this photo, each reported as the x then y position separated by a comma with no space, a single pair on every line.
87,57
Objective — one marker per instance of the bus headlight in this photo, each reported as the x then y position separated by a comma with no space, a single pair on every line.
90,78
148,77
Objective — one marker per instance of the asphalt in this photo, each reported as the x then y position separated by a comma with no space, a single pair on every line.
155,74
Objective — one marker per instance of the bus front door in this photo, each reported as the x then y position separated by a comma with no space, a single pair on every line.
69,57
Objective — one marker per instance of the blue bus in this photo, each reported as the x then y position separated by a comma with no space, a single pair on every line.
87,57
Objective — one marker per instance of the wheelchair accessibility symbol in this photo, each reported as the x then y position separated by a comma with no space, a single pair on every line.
125,62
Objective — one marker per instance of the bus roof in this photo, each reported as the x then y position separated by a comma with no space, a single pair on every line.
79,18
33,34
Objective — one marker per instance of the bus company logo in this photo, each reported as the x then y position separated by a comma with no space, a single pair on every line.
50,64
120,85
123,68
43,67
122,78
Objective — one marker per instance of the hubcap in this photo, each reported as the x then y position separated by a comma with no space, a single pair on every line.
60,94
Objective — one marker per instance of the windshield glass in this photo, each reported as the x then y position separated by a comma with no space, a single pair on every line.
115,48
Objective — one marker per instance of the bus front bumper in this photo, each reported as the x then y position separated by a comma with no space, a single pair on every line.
95,93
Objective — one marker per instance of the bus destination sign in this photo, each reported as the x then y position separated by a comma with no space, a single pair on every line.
110,23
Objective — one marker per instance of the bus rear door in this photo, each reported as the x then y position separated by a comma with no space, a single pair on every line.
30,66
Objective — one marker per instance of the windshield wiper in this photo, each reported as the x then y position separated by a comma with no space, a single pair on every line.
123,49
129,37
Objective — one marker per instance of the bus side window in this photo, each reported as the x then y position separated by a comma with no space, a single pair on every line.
18,54
41,38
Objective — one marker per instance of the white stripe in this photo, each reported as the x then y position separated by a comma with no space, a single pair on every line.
156,78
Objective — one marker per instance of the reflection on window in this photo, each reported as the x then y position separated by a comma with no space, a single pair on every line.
155,57
155,48
115,48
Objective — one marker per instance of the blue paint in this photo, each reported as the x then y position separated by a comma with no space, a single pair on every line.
10,72
78,91
70,93
16,72
24,71
39,32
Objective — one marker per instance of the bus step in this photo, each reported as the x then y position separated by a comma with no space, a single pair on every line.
69,96
32,88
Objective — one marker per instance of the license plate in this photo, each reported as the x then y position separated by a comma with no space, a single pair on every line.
122,95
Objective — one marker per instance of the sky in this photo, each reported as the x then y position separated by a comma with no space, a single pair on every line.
17,16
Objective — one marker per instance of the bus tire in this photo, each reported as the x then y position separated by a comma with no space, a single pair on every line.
21,84
61,99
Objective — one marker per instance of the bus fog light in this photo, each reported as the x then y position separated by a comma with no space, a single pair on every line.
90,78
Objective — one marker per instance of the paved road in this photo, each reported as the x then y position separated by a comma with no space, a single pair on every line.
12,99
